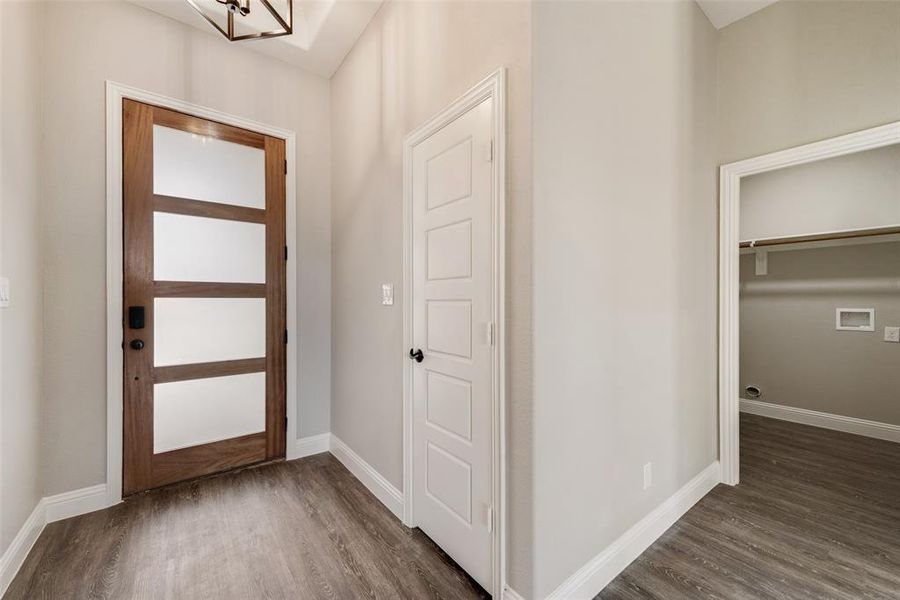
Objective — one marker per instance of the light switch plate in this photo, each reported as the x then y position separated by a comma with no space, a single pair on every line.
4,292
387,294
892,334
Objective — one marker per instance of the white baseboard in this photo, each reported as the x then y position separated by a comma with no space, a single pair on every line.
12,559
511,594
48,510
590,579
383,489
872,429
313,444
76,502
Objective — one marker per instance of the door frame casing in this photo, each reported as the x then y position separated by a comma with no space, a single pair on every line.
729,266
493,86
116,93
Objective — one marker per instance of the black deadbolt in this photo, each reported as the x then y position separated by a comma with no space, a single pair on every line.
137,344
136,317
417,355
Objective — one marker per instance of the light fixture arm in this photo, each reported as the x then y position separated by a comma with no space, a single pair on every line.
241,8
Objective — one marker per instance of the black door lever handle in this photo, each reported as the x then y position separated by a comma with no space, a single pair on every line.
417,355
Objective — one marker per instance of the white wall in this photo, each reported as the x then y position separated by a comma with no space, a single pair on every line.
21,483
624,268
84,44
855,191
413,60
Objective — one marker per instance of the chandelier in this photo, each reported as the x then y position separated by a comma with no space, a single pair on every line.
238,20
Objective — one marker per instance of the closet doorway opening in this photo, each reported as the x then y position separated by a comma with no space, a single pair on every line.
816,202
810,334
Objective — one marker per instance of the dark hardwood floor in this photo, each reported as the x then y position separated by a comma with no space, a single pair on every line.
304,529
816,516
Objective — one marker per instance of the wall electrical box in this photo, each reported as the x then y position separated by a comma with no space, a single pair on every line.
854,319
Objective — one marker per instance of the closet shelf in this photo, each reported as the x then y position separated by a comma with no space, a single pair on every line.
822,237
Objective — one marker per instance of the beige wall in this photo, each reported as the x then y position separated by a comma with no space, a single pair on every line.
21,484
789,346
855,191
799,71
86,43
624,268
414,59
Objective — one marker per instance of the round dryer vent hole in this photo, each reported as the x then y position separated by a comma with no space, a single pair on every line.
752,391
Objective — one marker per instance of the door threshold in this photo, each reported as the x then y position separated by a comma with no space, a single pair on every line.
215,475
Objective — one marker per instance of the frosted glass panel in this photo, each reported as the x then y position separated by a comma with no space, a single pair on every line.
199,411
194,330
189,165
189,248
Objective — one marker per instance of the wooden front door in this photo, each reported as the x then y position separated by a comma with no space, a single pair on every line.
204,297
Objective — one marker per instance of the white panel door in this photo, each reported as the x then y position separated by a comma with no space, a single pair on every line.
452,185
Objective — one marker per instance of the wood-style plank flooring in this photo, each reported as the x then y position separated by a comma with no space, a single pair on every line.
304,529
816,516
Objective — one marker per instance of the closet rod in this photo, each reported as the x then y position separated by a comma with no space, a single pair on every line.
822,237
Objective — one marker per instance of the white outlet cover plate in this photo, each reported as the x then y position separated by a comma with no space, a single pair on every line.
892,334
4,292
387,294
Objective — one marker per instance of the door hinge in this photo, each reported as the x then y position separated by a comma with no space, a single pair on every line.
285,253
285,166
489,333
285,336
490,520
489,151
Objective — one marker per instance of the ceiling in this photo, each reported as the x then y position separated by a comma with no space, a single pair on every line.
725,12
324,30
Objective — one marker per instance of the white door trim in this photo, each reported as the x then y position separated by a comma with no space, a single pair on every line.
115,94
729,274
494,86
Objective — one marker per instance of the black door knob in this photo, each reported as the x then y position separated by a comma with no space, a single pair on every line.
137,344
417,355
